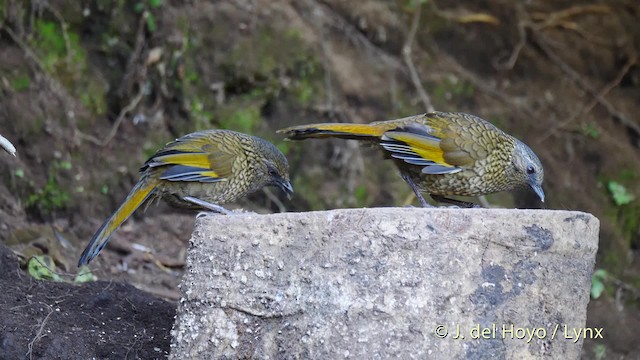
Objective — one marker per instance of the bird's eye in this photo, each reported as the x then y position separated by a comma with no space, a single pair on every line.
272,172
530,170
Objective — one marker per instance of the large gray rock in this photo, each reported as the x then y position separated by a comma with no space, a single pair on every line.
381,283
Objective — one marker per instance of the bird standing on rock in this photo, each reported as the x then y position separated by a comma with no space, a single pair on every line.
443,153
200,170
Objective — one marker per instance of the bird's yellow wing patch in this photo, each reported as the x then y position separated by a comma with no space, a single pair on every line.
427,148
200,160
418,149
195,157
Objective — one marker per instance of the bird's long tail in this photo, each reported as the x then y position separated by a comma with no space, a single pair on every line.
337,130
136,197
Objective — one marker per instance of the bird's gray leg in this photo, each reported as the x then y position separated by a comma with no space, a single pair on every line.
207,205
415,189
457,203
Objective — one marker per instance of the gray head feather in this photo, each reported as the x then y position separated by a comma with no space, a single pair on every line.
529,168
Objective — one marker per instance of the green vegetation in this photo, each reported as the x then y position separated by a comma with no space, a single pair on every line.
58,49
600,351
42,267
145,8
619,193
590,130
84,275
21,83
254,72
597,283
244,120
52,196
63,57
361,194
624,212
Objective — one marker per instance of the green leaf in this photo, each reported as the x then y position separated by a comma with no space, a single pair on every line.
361,192
597,283
600,351
620,194
42,267
85,275
65,165
19,173
590,130
155,3
597,287
151,22
21,83
600,274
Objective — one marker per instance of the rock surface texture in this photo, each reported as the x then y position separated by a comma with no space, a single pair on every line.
387,282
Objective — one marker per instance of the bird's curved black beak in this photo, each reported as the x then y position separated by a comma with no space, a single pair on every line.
286,187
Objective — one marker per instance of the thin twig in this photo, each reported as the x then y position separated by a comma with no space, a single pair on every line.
39,333
623,285
126,356
114,129
31,56
55,87
557,18
328,81
483,85
336,21
406,54
575,77
579,80
464,17
596,99
515,53
131,68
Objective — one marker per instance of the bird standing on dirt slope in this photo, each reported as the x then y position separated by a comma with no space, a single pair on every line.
444,153
200,170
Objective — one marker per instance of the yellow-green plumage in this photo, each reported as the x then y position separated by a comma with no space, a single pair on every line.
213,166
444,153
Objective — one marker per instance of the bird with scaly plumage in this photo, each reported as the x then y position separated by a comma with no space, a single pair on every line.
202,170
443,153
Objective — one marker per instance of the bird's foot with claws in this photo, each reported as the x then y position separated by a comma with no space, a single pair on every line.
207,205
456,204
